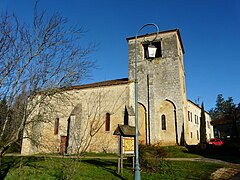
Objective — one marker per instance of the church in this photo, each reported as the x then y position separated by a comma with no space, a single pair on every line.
84,117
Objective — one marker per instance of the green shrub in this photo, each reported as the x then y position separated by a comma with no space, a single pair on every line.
151,159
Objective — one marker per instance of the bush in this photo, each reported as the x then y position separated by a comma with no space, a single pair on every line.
151,159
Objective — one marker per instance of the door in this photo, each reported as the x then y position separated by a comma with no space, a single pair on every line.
63,145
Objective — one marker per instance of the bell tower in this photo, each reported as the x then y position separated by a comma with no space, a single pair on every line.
161,86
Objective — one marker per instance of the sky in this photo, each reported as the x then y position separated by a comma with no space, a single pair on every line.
210,31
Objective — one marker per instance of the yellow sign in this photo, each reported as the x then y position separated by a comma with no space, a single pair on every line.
128,145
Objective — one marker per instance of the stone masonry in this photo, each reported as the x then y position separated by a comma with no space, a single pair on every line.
83,118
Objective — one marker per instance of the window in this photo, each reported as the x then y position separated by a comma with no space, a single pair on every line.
163,122
191,134
189,116
197,135
56,126
126,116
158,52
208,124
107,123
196,119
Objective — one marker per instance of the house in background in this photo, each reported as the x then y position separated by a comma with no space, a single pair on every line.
83,118
194,115
227,128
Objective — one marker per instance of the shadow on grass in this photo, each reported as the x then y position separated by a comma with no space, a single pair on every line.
6,163
106,165
229,151
10,162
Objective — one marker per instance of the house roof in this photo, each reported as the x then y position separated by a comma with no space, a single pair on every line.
161,32
193,103
190,101
99,84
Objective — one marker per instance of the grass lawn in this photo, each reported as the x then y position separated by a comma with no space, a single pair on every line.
171,152
63,168
179,152
57,167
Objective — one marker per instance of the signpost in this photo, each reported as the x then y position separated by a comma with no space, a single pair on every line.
126,144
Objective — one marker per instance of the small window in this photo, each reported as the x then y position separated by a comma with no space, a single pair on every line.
196,119
208,124
126,116
189,116
56,126
107,124
163,118
197,135
191,134
157,45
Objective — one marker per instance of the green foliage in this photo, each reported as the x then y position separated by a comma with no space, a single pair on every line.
224,109
3,112
226,112
151,158
14,115
203,138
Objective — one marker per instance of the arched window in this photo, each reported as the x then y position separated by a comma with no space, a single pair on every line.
107,123
163,119
56,126
126,116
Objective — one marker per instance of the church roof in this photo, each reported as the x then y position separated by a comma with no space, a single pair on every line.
161,32
100,84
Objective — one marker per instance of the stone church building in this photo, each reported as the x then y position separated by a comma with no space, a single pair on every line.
84,118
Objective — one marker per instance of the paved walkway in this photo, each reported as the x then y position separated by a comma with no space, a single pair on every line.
226,173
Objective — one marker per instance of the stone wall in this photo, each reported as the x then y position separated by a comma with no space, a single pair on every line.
87,129
193,129
161,79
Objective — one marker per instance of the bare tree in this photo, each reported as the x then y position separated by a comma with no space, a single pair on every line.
86,117
96,115
37,60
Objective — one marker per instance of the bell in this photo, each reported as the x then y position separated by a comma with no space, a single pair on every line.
152,51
